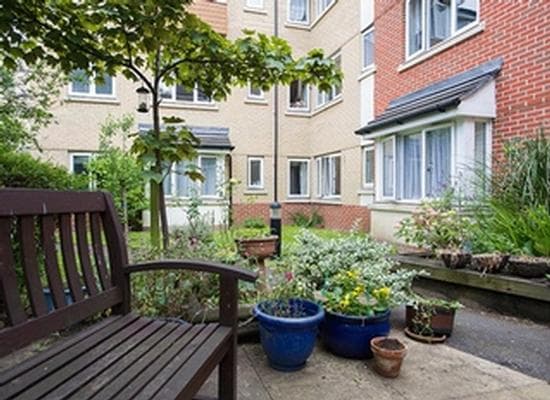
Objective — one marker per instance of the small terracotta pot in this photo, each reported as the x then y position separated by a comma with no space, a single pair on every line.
388,355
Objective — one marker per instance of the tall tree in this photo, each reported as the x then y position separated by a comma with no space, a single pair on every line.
153,41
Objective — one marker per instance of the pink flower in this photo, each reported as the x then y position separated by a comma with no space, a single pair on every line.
289,276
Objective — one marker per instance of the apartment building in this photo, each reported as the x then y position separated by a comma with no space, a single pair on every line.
431,88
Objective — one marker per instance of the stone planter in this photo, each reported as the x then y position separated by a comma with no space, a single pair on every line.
260,248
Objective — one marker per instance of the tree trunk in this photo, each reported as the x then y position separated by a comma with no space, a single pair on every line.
155,187
164,219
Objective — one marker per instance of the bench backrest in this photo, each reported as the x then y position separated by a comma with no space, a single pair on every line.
61,261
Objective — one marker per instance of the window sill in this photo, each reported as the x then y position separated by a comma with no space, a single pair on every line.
205,200
297,25
298,113
256,102
337,201
328,105
251,10
366,72
255,192
92,99
423,56
189,106
298,199
394,206
366,191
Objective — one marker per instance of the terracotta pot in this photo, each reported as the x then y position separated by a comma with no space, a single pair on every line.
260,248
489,262
442,321
454,259
388,355
529,267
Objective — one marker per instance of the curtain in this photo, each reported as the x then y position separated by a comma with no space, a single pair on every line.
415,26
298,178
438,161
298,10
412,165
209,171
440,20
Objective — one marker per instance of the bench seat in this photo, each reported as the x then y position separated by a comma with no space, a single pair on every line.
122,357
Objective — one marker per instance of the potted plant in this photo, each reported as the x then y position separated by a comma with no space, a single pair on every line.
529,266
441,228
289,323
254,240
388,355
489,262
355,313
430,320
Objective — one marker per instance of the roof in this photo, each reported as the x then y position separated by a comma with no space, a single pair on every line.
211,137
439,96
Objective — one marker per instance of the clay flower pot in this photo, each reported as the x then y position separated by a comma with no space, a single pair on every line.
259,248
489,262
388,355
454,259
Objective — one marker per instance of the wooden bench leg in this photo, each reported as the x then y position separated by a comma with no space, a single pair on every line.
229,298
227,386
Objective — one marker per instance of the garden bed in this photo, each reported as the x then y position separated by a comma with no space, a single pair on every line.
504,293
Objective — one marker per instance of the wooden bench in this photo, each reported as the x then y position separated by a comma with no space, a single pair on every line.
72,242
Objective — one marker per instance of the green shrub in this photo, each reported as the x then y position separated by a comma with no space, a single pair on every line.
22,170
254,223
307,221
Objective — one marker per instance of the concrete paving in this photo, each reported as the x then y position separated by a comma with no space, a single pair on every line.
430,372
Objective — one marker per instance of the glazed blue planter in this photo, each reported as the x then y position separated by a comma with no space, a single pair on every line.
288,342
350,336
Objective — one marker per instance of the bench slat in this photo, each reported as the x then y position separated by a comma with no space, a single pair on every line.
179,358
191,374
8,278
44,380
69,260
131,363
30,265
50,259
99,254
84,254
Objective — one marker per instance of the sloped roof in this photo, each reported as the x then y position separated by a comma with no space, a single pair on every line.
211,137
439,96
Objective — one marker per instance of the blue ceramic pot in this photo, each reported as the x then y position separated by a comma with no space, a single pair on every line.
288,342
350,336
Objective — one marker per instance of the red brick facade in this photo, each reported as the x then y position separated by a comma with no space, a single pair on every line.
213,12
518,31
335,216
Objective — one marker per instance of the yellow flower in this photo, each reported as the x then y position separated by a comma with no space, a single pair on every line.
382,293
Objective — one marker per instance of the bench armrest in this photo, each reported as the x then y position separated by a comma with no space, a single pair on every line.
194,265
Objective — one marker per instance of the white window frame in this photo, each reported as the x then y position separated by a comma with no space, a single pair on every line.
252,4
363,50
306,91
367,149
308,184
308,14
249,160
72,155
323,97
379,170
425,27
252,96
323,5
219,172
92,87
195,100
319,163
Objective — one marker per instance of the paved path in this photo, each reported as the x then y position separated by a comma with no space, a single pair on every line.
430,372
516,343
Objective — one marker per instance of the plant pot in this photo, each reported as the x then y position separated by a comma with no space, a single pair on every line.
425,339
350,336
489,262
388,355
259,248
455,259
442,320
288,342
529,267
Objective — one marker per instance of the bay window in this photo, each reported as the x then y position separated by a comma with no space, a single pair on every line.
298,180
368,166
441,19
329,176
298,11
178,184
324,97
388,167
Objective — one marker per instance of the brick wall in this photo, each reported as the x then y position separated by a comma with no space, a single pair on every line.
517,30
213,13
335,216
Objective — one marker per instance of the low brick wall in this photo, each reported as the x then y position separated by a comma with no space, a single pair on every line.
335,216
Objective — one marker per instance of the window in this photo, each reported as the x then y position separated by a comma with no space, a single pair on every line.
183,94
329,176
83,85
79,161
324,97
255,92
255,176
209,170
368,48
440,18
255,3
298,178
409,169
388,168
178,184
480,145
368,166
298,96
298,11
322,5
438,161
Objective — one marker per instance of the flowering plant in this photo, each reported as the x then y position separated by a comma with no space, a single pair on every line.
349,293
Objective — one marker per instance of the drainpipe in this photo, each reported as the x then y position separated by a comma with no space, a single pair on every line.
275,207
